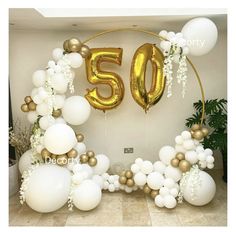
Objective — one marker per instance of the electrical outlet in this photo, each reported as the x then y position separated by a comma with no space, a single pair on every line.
128,150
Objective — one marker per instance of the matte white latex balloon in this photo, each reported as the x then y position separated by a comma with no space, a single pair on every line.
164,191
59,83
169,183
173,173
32,116
135,168
189,144
139,162
166,154
48,188
98,180
59,101
191,156
59,139
103,164
57,54
201,35
208,151
80,148
147,167
39,78
186,135
204,192
43,109
179,148
159,201
155,180
174,192
210,159
87,195
169,202
60,120
46,121
179,140
76,110
159,167
75,59
140,179
78,178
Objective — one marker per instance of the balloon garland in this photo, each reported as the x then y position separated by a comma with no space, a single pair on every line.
59,169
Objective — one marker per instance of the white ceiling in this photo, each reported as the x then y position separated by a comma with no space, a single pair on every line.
104,19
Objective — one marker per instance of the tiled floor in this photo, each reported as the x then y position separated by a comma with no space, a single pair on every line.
121,209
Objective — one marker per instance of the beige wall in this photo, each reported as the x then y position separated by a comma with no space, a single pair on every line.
127,125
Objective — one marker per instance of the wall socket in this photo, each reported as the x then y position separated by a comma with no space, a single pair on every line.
128,150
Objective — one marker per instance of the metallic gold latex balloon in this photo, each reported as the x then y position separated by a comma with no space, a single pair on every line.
129,174
122,180
92,161
85,51
80,137
145,53
45,153
205,131
84,158
56,113
32,106
175,162
198,134
130,183
62,160
74,45
25,108
180,156
154,193
72,153
195,127
147,189
28,99
90,154
66,45
184,165
97,76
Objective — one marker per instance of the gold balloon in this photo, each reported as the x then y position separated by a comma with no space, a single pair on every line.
80,137
32,106
129,174
184,165
198,134
205,131
97,76
145,53
122,179
72,153
154,193
123,173
147,189
56,113
74,45
24,108
28,99
45,153
175,162
195,127
90,154
180,156
62,160
66,46
85,51
130,183
84,158
92,161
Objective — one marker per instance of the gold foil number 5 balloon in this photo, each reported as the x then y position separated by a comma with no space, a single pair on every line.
145,53
97,76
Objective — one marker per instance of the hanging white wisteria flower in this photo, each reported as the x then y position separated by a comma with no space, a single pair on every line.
175,50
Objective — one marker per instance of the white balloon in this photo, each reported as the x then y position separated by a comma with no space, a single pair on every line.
203,192
57,54
208,151
155,180
201,35
39,78
117,184
78,178
174,192
170,202
87,195
51,63
210,165
80,148
103,164
159,201
139,162
186,135
43,109
179,148
76,110
106,185
140,179
173,173
128,189
59,139
199,149
86,170
37,99
135,168
48,188
159,167
59,101
189,144
191,156
105,176
201,156
34,92
166,154
98,180
164,191
146,167
60,120
75,59
203,164
46,121
42,92
32,116
59,83
165,45
111,179
210,159
163,33
111,188
169,183
179,140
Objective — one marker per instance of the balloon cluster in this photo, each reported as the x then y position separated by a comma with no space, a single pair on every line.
75,45
180,162
89,158
29,105
111,182
126,178
198,132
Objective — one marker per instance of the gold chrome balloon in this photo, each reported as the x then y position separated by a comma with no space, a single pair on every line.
154,193
56,113
145,53
92,161
180,156
129,174
80,137
28,99
146,189
32,106
122,180
130,183
72,153
90,154
84,158
198,134
45,153
97,76
195,127
62,160
175,162
184,165
205,131
24,108
66,46
74,45
85,51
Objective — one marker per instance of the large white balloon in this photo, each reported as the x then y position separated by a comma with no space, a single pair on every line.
76,110
204,191
59,83
173,173
159,167
39,78
155,180
166,154
201,35
103,164
75,59
87,195
59,139
48,188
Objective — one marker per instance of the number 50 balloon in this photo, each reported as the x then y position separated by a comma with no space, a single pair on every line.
138,72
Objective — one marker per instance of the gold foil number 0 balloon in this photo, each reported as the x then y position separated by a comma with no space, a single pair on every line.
96,75
145,53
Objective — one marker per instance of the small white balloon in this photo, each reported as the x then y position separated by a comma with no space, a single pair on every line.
147,167
139,162
78,178
60,120
203,164
106,185
159,201
170,202
39,78
163,33
105,176
140,179
173,173
191,156
199,149
111,179
164,191
159,167
57,53
43,109
170,35
32,116
179,148
39,148
179,140
208,151
201,156
155,180
46,121
189,144
135,168
103,164
111,188
210,159
59,83
169,183
174,192
166,154
75,59
128,189
186,135
80,148
59,101
98,180
210,165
